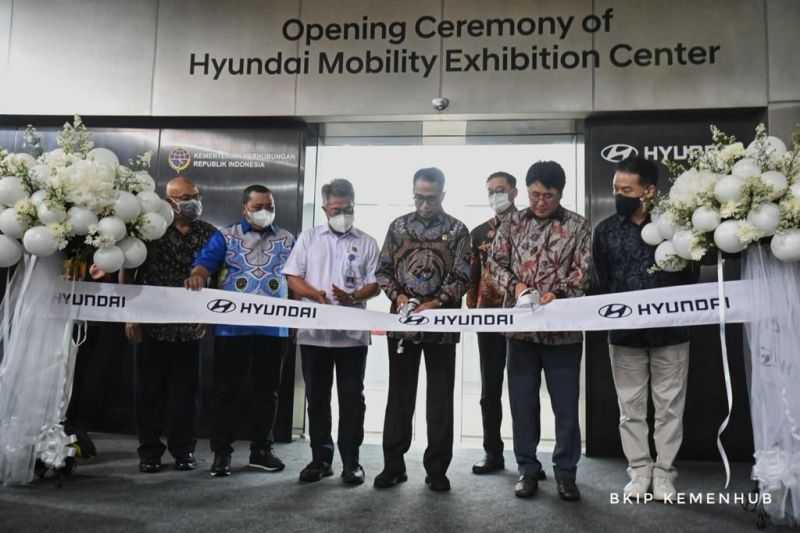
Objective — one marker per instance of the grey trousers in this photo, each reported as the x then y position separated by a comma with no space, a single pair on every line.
666,369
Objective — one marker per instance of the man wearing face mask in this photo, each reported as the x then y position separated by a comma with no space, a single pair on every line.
544,248
167,362
656,356
253,253
334,264
426,257
485,293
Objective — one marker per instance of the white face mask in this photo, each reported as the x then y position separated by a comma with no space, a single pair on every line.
499,201
261,218
341,223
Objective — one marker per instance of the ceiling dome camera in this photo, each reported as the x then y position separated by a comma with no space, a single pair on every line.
440,103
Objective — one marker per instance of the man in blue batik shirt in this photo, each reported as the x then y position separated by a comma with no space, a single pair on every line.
252,253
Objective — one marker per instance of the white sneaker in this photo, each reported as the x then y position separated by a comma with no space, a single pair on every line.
663,489
637,487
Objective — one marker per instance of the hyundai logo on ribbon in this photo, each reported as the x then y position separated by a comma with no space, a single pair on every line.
616,153
221,305
414,320
615,311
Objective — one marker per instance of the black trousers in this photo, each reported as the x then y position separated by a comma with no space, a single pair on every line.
166,383
318,365
440,366
236,358
492,348
92,364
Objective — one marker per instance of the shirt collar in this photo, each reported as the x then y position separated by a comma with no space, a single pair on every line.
621,219
505,215
437,218
559,214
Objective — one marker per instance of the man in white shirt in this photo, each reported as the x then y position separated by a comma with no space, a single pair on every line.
334,264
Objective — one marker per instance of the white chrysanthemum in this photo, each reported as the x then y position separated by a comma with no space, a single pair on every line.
748,233
696,248
728,209
61,232
731,152
145,182
124,172
17,164
689,185
26,211
90,185
39,175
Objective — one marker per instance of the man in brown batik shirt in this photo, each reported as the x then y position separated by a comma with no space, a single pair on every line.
544,248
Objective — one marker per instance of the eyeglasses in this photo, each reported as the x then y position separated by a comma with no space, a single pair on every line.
432,199
536,197
185,197
347,210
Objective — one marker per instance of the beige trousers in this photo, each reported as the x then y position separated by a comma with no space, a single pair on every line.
666,369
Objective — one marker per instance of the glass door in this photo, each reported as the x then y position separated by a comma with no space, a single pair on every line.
381,170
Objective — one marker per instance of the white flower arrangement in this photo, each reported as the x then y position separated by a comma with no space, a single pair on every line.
79,199
729,197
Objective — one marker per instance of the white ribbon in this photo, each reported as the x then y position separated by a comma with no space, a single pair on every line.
53,446
687,305
726,370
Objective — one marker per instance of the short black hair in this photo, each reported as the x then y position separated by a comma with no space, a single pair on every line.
340,188
505,175
251,189
431,175
548,173
644,168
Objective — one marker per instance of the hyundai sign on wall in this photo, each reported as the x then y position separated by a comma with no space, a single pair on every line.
611,140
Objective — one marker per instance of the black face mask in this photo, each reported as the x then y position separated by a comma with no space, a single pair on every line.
626,205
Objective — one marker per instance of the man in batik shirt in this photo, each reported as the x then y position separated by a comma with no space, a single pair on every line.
425,256
545,248
168,362
252,254
485,293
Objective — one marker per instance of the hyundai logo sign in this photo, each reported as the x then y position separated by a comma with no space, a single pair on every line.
221,305
414,320
616,153
615,311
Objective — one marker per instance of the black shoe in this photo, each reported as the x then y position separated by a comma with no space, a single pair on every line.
541,476
222,465
526,487
438,483
353,475
84,446
150,466
488,465
185,461
265,460
315,471
387,479
568,490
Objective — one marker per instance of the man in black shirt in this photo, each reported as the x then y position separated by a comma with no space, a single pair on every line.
656,356
167,364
